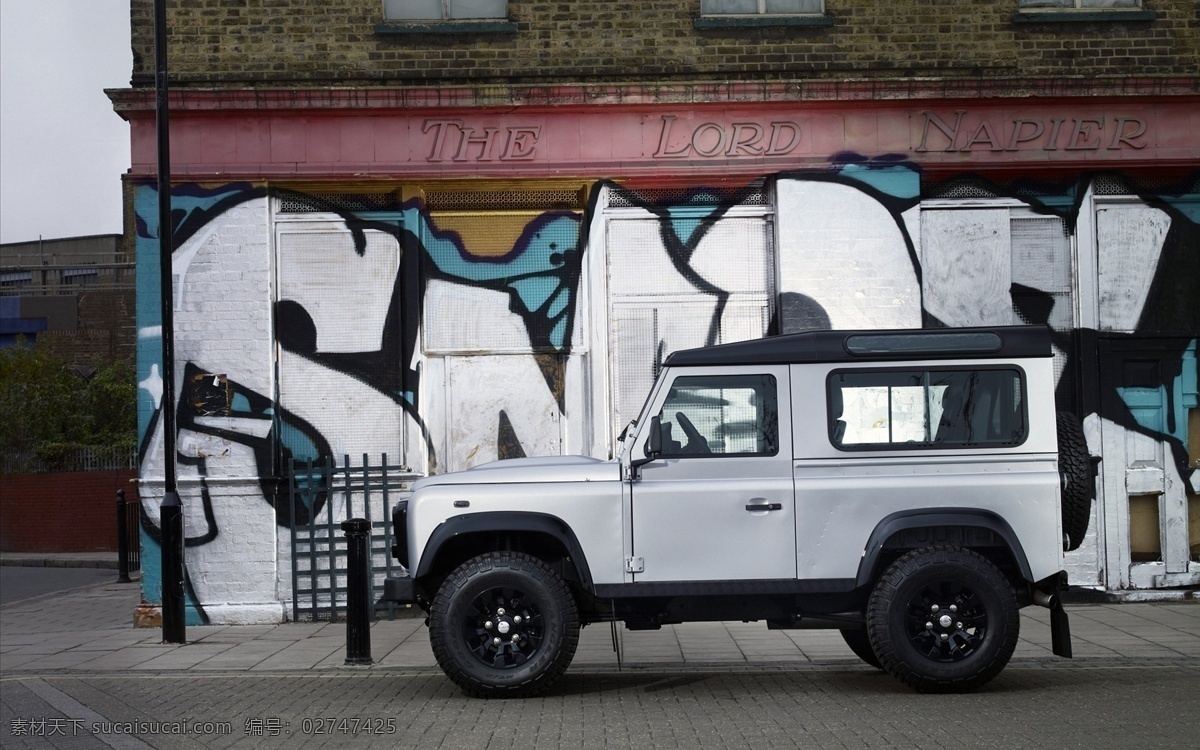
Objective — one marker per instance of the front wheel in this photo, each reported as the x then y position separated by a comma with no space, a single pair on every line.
943,619
503,625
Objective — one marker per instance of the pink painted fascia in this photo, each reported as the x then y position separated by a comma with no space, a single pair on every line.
641,131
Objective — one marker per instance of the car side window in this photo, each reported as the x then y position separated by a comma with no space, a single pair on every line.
927,408
728,415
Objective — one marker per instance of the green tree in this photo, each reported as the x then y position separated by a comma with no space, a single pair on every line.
51,410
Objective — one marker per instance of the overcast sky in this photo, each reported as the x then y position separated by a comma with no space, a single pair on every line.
62,148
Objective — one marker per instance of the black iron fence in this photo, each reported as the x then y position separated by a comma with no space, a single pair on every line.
322,495
129,538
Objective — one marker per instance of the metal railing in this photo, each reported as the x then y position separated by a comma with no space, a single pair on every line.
323,494
65,273
129,538
69,460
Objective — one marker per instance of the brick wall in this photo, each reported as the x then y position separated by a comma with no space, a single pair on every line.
105,331
314,42
111,311
69,512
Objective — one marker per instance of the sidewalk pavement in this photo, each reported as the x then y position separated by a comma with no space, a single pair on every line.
90,630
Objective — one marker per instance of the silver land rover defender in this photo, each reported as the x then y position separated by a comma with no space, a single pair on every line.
911,488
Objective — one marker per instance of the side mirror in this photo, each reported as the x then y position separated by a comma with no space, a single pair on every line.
653,447
654,439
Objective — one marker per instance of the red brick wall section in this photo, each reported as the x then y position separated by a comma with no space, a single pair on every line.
69,512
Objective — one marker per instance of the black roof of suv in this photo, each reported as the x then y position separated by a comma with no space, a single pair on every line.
999,342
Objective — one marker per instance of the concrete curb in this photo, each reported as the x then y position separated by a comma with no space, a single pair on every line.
1093,596
50,560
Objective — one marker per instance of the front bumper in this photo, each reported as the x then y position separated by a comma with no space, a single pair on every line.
399,589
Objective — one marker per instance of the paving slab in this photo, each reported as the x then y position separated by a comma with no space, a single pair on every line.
90,630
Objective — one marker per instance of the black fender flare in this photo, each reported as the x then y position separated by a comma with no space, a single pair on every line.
505,521
915,519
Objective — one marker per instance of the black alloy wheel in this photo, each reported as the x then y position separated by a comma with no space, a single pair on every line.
947,621
943,619
503,625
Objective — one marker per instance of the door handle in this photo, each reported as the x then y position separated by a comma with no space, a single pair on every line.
764,506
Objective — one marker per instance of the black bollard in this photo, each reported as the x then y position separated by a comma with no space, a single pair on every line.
122,540
173,578
358,593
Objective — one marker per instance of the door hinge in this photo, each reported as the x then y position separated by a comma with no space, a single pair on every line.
634,565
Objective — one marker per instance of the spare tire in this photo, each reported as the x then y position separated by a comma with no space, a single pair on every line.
1078,477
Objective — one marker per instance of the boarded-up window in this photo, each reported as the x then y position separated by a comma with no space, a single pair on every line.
1000,265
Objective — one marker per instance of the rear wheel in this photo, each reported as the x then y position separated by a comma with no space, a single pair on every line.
503,625
943,619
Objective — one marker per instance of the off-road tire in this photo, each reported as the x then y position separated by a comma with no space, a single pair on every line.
1078,479
860,644
509,596
906,631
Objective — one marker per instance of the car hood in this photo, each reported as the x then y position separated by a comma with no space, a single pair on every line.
543,469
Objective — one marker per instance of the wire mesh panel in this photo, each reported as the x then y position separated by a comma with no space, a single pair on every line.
505,200
1041,259
689,255
336,320
634,332
345,294
466,319
678,283
1043,290
644,332
500,281
755,194
319,203
334,493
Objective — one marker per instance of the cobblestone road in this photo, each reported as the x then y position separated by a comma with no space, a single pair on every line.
1133,703
75,675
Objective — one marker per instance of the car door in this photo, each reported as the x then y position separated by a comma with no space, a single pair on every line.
718,503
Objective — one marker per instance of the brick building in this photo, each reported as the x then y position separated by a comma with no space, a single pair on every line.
451,231
75,294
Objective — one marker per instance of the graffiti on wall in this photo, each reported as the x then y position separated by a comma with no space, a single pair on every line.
1148,288
254,431
850,252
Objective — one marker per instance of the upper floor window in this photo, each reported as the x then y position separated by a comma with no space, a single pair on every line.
892,409
1081,4
80,276
15,279
761,7
443,10
1069,11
